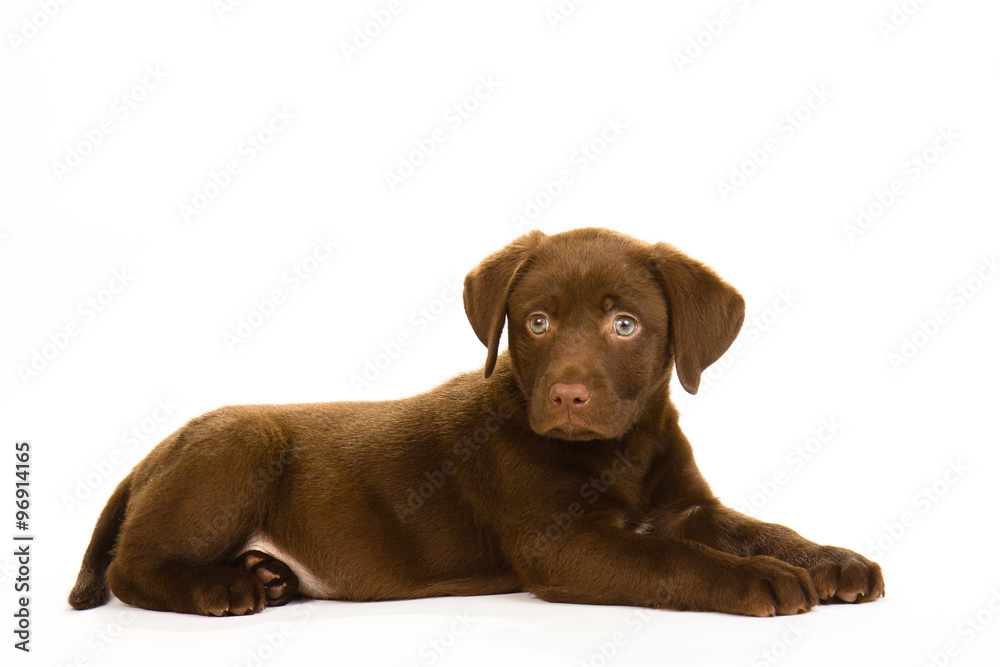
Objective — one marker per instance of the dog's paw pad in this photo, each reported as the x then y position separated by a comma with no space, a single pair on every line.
280,583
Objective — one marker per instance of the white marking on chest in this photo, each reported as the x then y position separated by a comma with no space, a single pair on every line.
309,583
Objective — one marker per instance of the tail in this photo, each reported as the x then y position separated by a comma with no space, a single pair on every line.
91,589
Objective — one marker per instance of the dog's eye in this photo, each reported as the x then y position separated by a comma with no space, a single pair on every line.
625,326
538,324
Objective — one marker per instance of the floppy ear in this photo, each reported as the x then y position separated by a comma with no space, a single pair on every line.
486,290
705,312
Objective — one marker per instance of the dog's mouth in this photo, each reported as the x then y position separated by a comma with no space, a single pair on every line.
572,427
573,432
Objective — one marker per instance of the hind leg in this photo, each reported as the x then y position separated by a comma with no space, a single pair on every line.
208,590
279,582
197,497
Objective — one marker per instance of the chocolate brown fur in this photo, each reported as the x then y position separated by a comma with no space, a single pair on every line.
560,471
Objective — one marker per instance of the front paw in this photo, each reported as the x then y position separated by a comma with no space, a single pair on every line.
841,574
769,587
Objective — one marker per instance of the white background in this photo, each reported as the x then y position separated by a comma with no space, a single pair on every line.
855,298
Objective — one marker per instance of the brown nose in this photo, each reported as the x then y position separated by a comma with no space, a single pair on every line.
570,396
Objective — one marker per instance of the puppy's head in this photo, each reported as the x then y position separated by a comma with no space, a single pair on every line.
595,320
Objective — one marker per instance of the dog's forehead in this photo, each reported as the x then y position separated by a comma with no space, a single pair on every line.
590,273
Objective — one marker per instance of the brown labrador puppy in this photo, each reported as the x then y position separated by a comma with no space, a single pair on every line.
561,472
